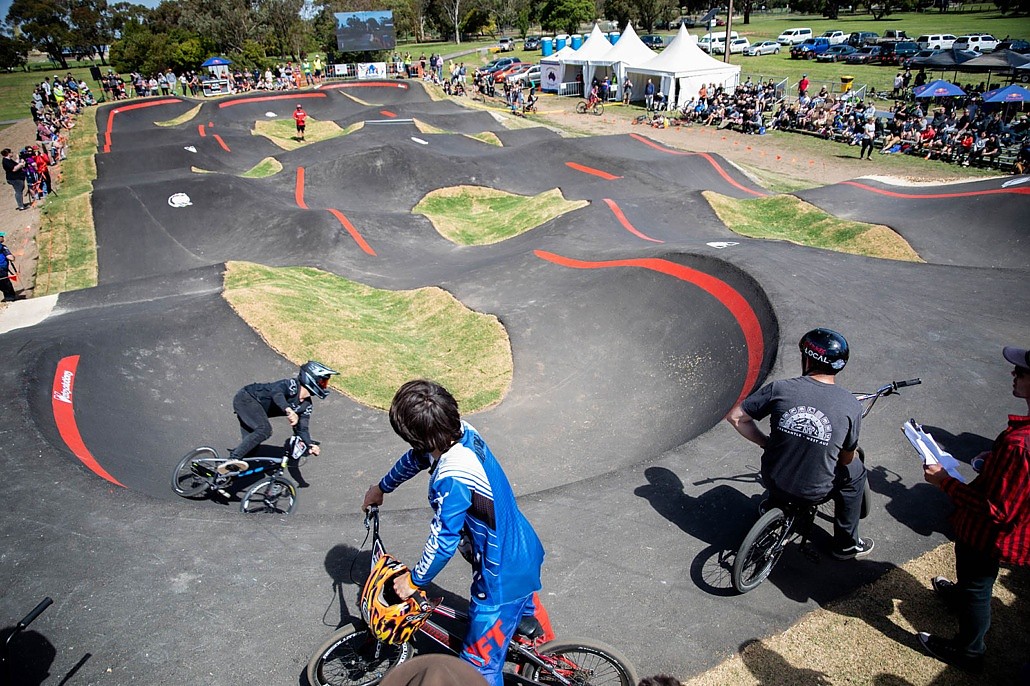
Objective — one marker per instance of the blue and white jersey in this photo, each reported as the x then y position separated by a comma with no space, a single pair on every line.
469,492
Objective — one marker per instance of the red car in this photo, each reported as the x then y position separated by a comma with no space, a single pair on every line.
501,74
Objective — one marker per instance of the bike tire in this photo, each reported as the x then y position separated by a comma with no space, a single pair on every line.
184,482
582,661
760,551
598,109
581,107
348,658
273,495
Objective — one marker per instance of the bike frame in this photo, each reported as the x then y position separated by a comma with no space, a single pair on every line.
296,448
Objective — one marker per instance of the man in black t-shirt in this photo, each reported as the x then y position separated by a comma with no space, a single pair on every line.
14,171
810,449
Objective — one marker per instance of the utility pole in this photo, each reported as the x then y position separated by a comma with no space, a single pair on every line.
729,24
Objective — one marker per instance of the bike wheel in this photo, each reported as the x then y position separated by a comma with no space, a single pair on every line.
760,550
353,657
273,495
581,107
598,109
184,481
583,662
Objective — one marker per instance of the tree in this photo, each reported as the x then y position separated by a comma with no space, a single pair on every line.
230,23
45,25
282,19
621,11
566,15
13,53
650,12
93,31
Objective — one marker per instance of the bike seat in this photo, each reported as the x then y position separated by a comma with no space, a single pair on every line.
529,626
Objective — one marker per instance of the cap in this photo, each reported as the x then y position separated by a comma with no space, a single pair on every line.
298,107
1017,356
2,234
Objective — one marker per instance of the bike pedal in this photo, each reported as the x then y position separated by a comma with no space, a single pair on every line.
224,493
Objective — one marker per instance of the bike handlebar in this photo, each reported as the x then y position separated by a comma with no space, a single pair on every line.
910,382
36,611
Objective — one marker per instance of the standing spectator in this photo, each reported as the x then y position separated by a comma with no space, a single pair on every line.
649,95
906,78
6,269
868,137
42,160
803,86
627,90
992,527
899,82
300,116
14,170
317,66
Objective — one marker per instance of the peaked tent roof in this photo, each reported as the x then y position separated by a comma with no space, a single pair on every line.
593,48
682,56
629,49
560,56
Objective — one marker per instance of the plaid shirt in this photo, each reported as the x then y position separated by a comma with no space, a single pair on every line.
992,513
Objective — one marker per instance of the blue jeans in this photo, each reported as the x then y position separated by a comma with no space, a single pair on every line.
977,572
19,190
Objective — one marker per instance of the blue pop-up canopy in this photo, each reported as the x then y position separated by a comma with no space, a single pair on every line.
938,89
1013,93
216,62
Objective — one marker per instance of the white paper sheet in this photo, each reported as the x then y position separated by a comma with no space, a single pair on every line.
929,451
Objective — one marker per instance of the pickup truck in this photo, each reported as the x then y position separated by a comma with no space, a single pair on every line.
893,35
809,49
835,37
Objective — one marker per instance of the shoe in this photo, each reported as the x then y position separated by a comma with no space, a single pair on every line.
232,467
945,589
860,549
944,651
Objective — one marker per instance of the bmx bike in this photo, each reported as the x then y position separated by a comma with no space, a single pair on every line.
584,106
353,656
202,472
785,520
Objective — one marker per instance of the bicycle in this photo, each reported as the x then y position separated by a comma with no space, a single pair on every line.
202,472
594,106
353,656
5,649
782,522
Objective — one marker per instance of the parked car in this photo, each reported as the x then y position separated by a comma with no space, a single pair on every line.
737,46
794,36
935,41
531,43
506,45
502,75
809,49
864,55
893,35
893,53
498,64
529,77
836,53
1020,46
859,39
921,55
652,41
766,47
835,37
979,42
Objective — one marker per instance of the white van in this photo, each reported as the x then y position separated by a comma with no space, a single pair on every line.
935,41
710,41
794,36
980,42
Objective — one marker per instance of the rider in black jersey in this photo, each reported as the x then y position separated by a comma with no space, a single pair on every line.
290,398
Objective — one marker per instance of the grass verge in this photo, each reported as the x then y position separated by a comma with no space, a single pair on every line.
869,637
265,168
377,339
283,132
181,119
488,137
473,215
67,237
785,217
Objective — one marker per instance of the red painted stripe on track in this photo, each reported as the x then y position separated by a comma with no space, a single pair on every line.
590,170
298,190
387,113
1022,190
368,84
617,211
733,301
358,238
222,143
125,108
202,131
266,98
64,416
711,160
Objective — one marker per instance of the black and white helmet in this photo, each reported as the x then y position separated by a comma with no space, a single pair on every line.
315,376
826,348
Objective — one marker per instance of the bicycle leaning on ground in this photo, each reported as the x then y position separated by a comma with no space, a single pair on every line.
353,656
784,521
202,472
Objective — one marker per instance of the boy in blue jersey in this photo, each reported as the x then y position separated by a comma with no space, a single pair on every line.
473,505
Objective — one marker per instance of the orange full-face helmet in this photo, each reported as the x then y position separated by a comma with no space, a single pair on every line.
391,619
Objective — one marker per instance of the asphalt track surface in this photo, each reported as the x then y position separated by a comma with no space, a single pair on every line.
634,327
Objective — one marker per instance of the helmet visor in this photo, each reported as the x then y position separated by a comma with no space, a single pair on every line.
323,382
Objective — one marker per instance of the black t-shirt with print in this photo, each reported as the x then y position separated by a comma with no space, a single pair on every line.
810,423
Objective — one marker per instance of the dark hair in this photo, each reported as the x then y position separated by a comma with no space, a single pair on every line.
660,680
5,152
426,416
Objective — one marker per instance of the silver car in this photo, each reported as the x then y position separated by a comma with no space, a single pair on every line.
766,47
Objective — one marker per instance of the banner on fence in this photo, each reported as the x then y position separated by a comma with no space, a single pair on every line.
371,70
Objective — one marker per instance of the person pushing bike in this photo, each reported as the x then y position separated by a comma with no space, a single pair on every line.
473,507
290,398
810,449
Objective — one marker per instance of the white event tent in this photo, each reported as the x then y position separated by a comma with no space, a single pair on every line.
682,68
552,69
628,51
577,63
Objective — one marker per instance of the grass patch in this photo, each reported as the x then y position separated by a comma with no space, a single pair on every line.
877,623
67,238
426,127
263,169
283,132
488,137
787,218
181,119
473,215
377,339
